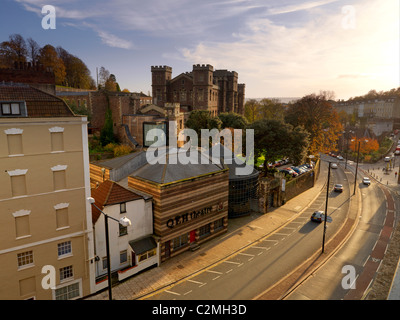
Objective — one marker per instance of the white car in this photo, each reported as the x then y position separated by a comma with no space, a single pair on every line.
334,166
340,157
387,159
366,181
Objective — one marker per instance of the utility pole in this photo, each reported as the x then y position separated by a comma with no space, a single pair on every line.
355,176
326,207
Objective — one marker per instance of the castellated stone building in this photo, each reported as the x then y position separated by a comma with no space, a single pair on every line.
201,89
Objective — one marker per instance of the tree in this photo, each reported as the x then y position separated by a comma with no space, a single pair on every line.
33,50
271,109
232,120
316,114
201,119
250,110
107,132
275,140
13,50
48,57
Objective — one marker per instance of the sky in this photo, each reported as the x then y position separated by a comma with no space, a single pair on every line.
280,48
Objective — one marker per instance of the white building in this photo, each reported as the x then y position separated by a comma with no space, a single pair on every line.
132,248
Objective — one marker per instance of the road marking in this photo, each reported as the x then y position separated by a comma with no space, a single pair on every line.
187,292
171,292
216,277
227,261
212,271
230,270
263,248
246,254
198,282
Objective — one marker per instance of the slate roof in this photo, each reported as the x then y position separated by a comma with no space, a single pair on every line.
162,173
39,104
109,193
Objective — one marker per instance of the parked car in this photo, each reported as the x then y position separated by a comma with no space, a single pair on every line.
387,159
334,166
397,152
289,171
295,169
338,188
340,157
366,181
317,216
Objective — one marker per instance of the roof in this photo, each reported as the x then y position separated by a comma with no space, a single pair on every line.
117,162
110,193
167,171
39,104
143,245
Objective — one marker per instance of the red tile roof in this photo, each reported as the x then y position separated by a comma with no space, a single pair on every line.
38,103
109,193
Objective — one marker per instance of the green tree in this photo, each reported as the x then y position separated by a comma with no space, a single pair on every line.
232,120
107,132
201,119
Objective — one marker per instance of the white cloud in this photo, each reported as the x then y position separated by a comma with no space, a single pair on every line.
114,41
275,60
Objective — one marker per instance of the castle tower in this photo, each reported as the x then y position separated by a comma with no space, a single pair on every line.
241,98
202,86
161,75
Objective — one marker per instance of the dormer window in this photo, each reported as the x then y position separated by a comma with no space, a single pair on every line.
12,109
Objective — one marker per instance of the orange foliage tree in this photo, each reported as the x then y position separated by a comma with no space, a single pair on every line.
367,145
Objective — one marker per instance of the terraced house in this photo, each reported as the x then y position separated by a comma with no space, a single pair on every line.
45,218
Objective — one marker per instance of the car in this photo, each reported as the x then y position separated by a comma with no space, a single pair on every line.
334,166
297,170
397,152
387,159
340,157
289,171
338,188
317,216
366,181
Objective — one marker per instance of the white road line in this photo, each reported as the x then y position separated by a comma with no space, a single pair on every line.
212,271
187,292
227,261
171,292
197,282
263,248
246,254
230,270
216,277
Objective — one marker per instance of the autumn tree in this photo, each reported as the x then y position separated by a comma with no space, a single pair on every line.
48,57
33,50
13,50
317,115
367,145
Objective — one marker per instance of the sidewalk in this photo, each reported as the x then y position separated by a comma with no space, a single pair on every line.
241,233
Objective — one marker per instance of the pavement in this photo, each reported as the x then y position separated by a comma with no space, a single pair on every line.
241,232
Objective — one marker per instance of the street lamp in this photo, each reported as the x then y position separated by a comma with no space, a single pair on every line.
326,207
358,155
124,222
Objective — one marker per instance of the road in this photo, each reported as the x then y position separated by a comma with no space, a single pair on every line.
362,253
258,266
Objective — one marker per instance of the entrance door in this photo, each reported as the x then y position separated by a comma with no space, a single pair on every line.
192,236
133,258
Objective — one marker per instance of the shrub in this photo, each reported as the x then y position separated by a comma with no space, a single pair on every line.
122,150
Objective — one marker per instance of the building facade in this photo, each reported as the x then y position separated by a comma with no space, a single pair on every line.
201,89
132,248
45,219
190,202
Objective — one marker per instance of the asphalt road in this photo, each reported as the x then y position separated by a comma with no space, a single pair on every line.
250,272
356,255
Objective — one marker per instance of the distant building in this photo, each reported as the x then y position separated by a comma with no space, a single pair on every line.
201,89
45,219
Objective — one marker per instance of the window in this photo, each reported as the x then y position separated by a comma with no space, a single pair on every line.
66,273
180,241
64,248
123,256
204,230
25,259
122,207
104,262
219,224
68,292
147,255
57,141
11,109
122,230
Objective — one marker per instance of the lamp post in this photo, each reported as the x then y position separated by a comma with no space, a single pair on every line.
124,222
326,207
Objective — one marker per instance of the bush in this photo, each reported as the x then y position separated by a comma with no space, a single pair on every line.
110,147
122,150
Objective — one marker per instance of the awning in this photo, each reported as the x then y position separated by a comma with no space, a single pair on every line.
143,245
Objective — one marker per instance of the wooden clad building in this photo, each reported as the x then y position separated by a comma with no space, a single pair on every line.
190,202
